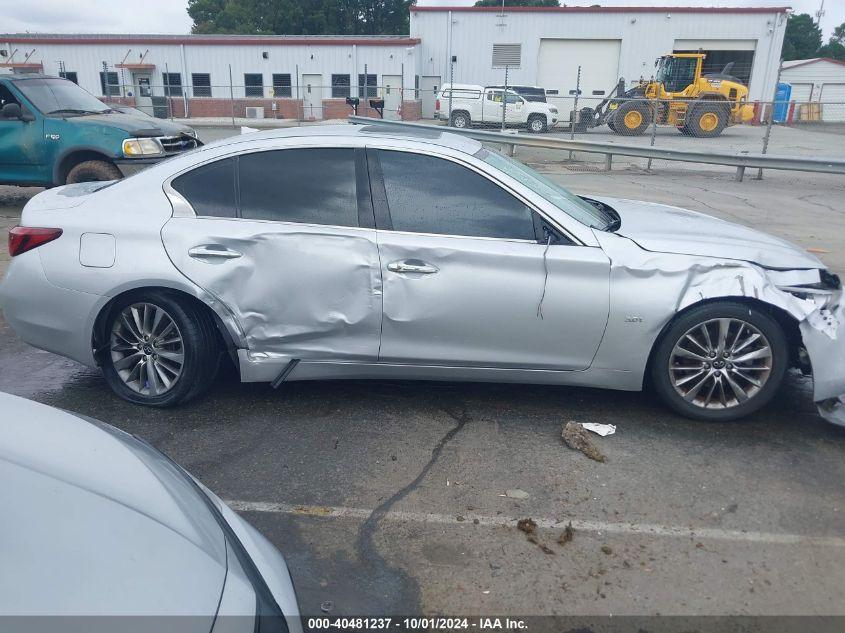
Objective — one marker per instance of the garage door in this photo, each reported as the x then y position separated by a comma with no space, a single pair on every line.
557,67
801,93
833,98
720,53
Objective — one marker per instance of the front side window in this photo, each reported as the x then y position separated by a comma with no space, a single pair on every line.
564,200
210,189
315,186
426,194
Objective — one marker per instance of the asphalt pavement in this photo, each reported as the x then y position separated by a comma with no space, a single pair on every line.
402,498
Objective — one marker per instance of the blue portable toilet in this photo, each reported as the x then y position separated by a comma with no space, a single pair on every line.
782,96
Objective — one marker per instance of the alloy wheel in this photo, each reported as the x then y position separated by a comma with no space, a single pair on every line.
720,363
147,349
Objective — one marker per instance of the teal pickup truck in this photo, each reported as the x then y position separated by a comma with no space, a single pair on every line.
52,132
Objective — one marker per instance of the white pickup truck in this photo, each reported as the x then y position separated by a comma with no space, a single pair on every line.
475,104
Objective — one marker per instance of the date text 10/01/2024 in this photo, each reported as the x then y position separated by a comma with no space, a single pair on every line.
421,623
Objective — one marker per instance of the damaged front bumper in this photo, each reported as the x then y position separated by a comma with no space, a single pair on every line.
822,326
826,350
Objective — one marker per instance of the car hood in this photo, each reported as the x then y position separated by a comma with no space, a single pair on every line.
134,125
666,229
96,522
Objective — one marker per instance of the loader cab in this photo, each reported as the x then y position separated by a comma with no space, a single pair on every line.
675,73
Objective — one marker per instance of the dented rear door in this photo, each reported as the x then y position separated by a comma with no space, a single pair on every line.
298,285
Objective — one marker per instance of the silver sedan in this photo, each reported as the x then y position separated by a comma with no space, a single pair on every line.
365,252
101,532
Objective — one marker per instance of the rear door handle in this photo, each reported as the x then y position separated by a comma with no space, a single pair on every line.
412,266
213,251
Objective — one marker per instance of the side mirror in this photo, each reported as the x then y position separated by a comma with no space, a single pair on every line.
12,111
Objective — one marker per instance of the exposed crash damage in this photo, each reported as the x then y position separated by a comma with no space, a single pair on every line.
810,296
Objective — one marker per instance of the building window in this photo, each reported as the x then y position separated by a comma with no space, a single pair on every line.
70,76
172,84
281,85
340,86
109,84
201,83
367,86
253,84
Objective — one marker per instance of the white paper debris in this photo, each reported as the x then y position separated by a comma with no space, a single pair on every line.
600,429
516,494
246,129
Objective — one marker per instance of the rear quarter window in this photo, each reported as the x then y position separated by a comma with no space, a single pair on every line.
210,189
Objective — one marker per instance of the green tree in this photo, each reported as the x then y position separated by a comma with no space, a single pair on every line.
803,37
518,3
835,47
300,17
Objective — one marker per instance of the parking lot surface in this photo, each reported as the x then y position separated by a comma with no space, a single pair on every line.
402,498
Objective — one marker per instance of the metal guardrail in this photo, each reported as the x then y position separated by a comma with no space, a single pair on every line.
740,161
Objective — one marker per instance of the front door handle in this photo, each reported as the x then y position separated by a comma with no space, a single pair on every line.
213,251
412,266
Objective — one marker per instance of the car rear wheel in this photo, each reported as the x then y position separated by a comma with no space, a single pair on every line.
92,171
460,120
161,351
720,361
537,124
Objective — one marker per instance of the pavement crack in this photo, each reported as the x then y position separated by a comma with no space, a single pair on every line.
364,542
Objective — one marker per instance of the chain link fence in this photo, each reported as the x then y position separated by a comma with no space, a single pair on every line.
784,127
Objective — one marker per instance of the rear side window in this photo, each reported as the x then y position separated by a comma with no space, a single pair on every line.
315,186
210,189
426,194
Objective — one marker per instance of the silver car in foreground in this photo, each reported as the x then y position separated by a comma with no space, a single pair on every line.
101,532
370,252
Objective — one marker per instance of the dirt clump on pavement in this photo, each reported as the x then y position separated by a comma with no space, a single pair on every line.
577,437
567,534
529,526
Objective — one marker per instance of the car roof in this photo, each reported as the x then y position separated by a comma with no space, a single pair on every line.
432,136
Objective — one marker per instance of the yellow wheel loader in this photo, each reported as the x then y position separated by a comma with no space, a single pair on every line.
696,104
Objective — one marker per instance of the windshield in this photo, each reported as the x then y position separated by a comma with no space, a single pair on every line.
60,96
564,200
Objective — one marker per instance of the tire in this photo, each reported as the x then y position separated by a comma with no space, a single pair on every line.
127,357
612,124
537,124
460,120
92,171
706,119
671,367
631,118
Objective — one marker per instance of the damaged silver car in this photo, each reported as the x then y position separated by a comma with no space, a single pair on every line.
363,252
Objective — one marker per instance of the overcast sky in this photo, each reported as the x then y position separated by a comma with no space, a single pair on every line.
170,16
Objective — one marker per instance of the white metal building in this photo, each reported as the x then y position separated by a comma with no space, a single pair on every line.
312,75
607,42
818,80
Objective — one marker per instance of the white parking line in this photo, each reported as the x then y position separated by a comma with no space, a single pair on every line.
598,527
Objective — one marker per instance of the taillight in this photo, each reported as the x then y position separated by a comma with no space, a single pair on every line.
437,104
25,238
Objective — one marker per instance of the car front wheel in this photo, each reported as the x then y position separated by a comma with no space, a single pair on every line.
720,361
161,351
